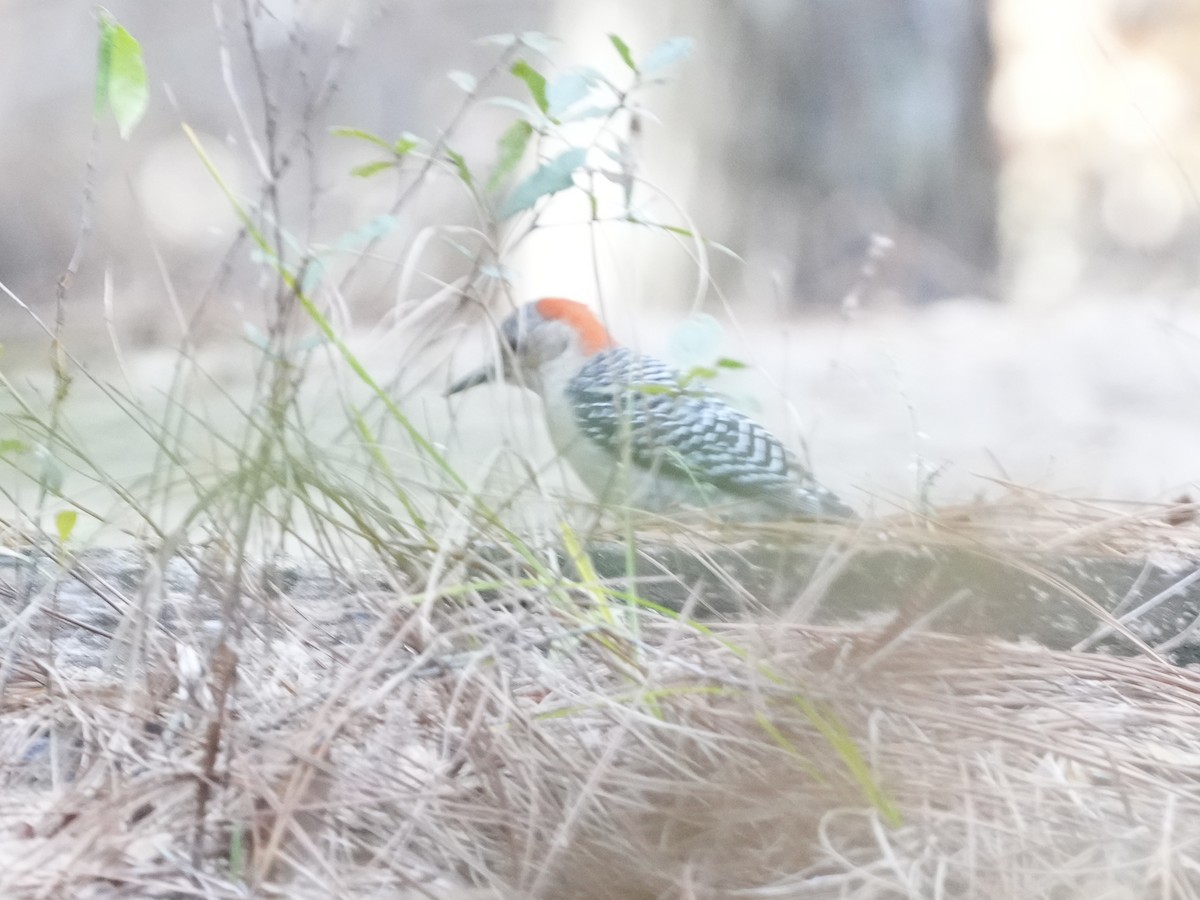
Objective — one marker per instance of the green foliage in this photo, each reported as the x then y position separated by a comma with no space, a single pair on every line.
398,149
622,49
577,95
534,80
666,56
835,733
653,389
368,169
64,524
465,81
567,90
510,150
698,373
405,144
550,178
237,852
460,166
573,96
360,134
120,76
686,384
534,40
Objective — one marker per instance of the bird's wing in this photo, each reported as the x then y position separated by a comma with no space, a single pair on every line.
639,406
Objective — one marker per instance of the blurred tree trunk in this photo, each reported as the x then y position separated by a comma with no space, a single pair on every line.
802,127
870,116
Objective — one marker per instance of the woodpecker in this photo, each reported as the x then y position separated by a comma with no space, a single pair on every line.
640,434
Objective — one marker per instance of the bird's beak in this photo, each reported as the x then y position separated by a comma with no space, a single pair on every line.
482,375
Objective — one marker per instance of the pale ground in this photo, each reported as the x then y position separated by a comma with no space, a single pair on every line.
1090,401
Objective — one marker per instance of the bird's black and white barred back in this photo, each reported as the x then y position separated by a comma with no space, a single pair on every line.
641,409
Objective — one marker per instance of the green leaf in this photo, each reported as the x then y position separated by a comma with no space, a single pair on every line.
524,110
726,363
534,40
651,389
366,170
554,176
538,42
64,522
622,49
669,53
498,40
405,144
460,166
534,80
511,147
359,134
566,91
237,852
465,81
591,111
120,76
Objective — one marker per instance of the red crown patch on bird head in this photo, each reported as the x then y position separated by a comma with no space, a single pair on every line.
593,336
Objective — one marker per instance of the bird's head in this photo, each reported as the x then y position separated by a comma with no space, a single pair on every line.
545,334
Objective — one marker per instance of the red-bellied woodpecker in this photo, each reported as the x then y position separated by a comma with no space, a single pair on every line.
640,434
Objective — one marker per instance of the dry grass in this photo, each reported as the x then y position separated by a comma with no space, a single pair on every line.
408,716
1021,525
1025,521
529,738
